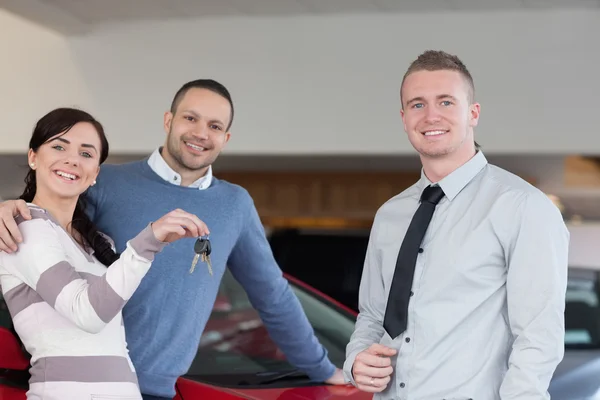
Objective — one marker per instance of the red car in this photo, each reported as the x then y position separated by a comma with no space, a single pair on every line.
236,358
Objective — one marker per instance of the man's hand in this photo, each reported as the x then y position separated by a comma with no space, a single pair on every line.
340,386
337,378
10,235
373,367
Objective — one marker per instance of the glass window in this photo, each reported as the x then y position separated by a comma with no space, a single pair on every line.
235,348
582,310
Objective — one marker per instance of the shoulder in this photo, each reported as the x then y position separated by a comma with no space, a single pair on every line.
514,198
39,231
232,192
38,216
500,184
402,201
118,170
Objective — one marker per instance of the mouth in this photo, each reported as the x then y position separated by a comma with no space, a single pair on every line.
434,133
194,147
67,176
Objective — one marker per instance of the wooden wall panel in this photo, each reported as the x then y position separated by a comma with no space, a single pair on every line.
348,198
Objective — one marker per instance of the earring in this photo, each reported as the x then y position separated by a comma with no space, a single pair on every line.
32,165
93,183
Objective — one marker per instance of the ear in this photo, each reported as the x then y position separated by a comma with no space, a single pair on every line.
31,158
167,120
474,110
403,121
227,136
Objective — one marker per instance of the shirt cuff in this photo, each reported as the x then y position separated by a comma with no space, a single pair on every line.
348,364
146,245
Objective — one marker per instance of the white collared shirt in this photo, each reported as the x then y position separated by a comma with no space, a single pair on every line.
486,312
162,169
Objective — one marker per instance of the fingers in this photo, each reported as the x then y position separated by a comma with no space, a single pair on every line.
372,360
195,225
379,349
8,243
172,225
22,209
370,384
372,368
372,372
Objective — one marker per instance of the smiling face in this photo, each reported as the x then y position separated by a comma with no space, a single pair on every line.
438,114
197,130
67,163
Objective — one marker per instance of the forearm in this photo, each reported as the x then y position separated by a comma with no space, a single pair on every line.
290,329
367,331
87,300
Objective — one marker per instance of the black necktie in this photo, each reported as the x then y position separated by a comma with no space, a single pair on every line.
396,312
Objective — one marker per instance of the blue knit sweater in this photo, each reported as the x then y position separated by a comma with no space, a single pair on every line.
166,316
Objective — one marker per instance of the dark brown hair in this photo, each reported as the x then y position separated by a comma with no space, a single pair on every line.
58,121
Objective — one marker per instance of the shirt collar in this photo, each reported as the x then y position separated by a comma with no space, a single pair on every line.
459,178
158,164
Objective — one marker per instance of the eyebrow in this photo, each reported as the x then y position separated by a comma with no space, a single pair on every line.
91,146
438,97
198,116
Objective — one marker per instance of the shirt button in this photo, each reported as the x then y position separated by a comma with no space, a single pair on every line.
402,384
421,250
175,178
411,293
407,339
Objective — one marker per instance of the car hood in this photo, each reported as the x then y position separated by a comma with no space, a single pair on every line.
576,377
189,390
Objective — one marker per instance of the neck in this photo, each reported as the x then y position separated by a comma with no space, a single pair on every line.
437,168
61,209
188,176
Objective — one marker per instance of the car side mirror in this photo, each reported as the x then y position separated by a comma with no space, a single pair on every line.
11,354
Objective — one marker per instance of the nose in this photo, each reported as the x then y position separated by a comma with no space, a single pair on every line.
201,131
433,115
71,159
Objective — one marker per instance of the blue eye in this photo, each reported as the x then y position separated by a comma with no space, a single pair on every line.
446,102
86,154
418,105
58,147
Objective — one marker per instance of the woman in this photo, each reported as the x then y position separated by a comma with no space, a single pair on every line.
65,304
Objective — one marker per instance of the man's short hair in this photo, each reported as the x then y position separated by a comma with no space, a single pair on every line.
436,60
208,84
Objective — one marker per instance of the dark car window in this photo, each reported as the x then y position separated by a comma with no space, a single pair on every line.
582,310
341,254
236,349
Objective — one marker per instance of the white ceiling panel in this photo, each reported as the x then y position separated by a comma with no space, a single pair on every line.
75,16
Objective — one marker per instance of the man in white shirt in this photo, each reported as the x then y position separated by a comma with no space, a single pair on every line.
463,288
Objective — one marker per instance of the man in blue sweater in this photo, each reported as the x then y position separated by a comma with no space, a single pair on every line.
167,314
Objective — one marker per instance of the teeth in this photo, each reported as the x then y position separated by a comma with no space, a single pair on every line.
193,146
65,175
434,133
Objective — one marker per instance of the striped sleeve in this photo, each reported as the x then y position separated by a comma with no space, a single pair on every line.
42,264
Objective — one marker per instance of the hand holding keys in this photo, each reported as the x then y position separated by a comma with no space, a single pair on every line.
202,249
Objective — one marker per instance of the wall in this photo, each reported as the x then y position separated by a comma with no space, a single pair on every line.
37,74
329,84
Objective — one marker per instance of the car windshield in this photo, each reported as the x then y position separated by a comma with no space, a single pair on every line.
236,350
582,310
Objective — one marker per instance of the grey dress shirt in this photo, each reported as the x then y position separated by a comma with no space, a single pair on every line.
486,318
